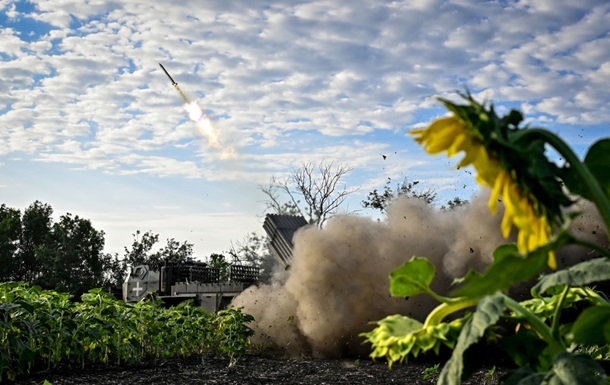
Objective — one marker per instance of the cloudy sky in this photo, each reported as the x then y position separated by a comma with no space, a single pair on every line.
91,125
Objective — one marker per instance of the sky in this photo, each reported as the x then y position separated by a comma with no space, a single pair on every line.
91,125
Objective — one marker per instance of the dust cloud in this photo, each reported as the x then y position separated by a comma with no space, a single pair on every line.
338,282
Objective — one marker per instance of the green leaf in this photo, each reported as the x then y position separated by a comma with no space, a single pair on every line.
584,273
598,161
526,348
509,267
413,277
568,369
592,326
506,250
578,369
488,312
572,181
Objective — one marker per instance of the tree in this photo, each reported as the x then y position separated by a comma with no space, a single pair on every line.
380,202
68,255
141,251
76,263
219,261
454,203
176,252
254,251
274,202
115,271
312,191
10,233
65,256
36,227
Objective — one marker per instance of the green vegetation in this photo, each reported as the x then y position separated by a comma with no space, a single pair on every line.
43,328
549,347
431,373
141,251
380,201
66,255
490,376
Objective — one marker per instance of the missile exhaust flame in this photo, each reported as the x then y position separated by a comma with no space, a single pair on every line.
202,122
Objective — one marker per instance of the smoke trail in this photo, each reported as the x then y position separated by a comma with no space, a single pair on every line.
202,122
338,282
208,129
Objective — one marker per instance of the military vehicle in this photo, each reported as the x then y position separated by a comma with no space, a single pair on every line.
177,282
280,230
211,288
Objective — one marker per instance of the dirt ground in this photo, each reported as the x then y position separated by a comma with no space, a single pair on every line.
256,370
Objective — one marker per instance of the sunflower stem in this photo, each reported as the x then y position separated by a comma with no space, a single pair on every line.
597,194
439,313
557,314
536,323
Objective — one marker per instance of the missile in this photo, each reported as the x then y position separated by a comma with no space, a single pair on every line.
186,100
168,75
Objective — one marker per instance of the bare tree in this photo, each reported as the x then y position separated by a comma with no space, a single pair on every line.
315,192
274,203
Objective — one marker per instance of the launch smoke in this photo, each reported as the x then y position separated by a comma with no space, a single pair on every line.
338,283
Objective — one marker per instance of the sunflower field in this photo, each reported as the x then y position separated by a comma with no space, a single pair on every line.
41,329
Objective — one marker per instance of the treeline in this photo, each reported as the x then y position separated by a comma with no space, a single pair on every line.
68,255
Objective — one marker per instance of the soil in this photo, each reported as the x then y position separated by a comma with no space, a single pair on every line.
256,370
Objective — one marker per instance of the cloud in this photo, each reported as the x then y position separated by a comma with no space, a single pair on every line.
90,93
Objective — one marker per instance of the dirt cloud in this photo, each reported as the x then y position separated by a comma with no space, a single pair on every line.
338,282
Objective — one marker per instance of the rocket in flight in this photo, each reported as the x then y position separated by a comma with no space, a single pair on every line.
186,100
201,120
168,75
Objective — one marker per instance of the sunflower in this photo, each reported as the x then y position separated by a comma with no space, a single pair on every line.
523,212
480,143
397,337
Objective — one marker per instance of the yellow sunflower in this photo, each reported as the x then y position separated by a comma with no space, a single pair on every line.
521,211
452,135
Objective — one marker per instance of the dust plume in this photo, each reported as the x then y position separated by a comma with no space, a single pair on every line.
338,282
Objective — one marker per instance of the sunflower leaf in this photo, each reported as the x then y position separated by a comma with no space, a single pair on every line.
584,273
488,313
413,277
577,369
592,326
509,267
598,161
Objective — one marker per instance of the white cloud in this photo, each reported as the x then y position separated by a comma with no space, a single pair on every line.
284,82
10,43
